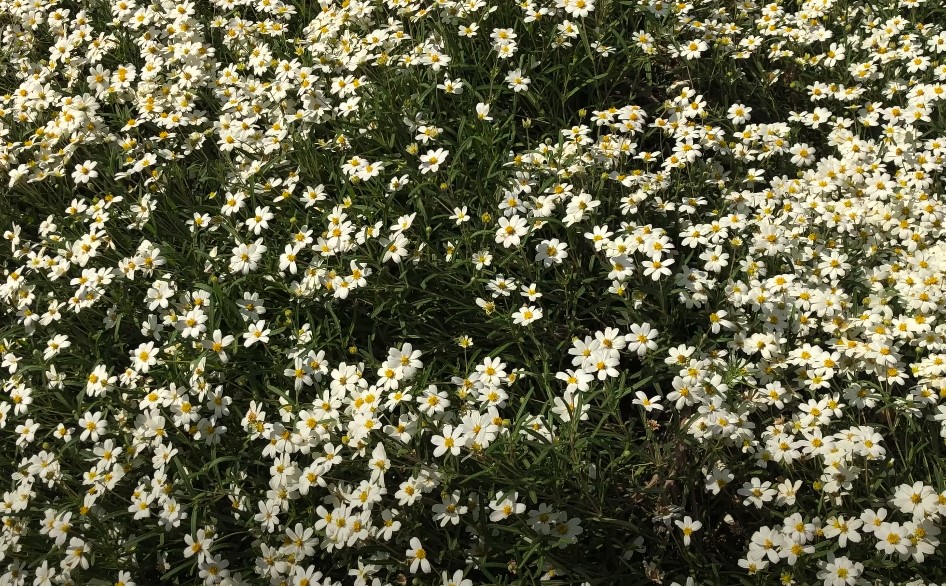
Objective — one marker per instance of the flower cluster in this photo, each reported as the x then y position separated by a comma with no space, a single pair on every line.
554,291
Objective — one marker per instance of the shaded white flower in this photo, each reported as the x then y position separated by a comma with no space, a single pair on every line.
417,556
688,527
550,252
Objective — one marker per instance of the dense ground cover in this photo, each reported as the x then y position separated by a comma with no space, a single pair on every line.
456,293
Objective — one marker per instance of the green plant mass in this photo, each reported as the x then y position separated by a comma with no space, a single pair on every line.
468,292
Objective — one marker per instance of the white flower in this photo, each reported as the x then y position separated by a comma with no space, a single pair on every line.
268,516
451,86
787,492
460,215
257,332
259,221
531,292
757,493
844,530
577,380
85,172
526,314
511,230
56,344
688,526
567,407
451,441
917,499
456,580
577,8
802,154
246,257
398,183
418,557
693,49
431,161
469,30
657,268
840,571
550,252
504,506
26,432
641,339
517,82
144,357
718,321
92,426
648,403
739,113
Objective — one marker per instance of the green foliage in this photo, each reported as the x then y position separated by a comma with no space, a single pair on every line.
461,293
